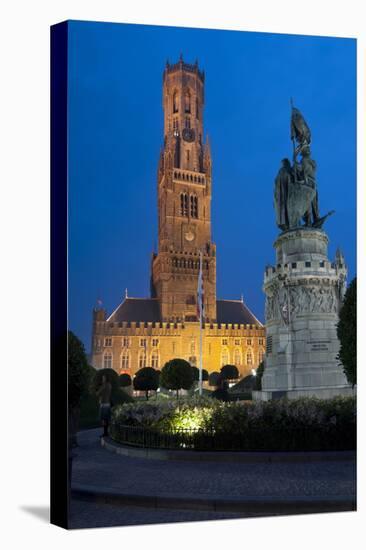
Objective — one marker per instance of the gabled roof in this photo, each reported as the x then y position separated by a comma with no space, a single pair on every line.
147,310
137,309
235,312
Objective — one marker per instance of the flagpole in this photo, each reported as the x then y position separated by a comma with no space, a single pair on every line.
201,308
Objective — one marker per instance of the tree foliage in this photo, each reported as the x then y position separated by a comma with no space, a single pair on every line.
125,380
177,374
259,376
79,371
213,379
229,372
146,379
347,333
196,374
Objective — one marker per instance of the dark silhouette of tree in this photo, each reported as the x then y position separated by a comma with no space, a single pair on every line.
79,374
177,374
146,379
259,376
347,333
196,374
213,378
229,372
125,380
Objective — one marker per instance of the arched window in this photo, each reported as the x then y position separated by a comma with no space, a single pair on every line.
260,355
197,109
224,358
175,102
155,360
187,102
107,360
142,360
125,360
187,122
183,204
195,207
237,358
249,358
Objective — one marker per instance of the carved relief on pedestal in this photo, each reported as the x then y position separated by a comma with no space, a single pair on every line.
284,302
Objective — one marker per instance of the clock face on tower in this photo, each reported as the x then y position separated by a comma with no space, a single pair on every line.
188,134
189,236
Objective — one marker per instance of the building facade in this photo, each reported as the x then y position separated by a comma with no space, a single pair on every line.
150,331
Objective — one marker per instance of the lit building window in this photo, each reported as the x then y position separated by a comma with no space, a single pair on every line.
224,342
142,342
155,342
224,358
260,355
249,358
237,358
107,362
249,342
237,342
126,342
108,342
142,360
175,102
260,341
155,360
187,102
125,361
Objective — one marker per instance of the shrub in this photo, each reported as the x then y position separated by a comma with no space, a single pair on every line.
177,374
196,374
146,379
214,378
229,372
118,396
347,333
259,376
125,380
302,424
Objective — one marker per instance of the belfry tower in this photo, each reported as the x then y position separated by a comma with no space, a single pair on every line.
184,200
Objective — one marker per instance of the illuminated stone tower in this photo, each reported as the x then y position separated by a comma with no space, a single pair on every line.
184,200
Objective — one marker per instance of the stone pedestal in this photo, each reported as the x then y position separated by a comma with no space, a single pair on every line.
304,292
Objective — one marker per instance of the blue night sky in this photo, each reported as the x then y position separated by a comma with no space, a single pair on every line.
116,131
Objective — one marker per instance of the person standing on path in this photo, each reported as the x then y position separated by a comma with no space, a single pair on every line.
104,394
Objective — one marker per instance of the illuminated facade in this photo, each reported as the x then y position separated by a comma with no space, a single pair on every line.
150,331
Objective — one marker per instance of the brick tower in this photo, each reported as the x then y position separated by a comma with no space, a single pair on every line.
184,200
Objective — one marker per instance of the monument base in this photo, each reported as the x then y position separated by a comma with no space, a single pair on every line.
304,292
320,393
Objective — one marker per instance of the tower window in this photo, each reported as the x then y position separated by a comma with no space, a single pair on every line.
187,122
194,206
175,102
197,109
183,204
187,102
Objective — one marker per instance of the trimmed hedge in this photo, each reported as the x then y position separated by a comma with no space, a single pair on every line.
306,424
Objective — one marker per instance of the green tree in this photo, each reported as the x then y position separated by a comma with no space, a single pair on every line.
146,379
347,333
229,372
118,396
177,374
259,376
79,374
214,378
125,380
196,374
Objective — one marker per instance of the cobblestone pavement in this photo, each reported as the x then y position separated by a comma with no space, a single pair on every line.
96,466
91,514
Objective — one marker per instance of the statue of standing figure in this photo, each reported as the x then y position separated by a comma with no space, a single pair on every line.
295,194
